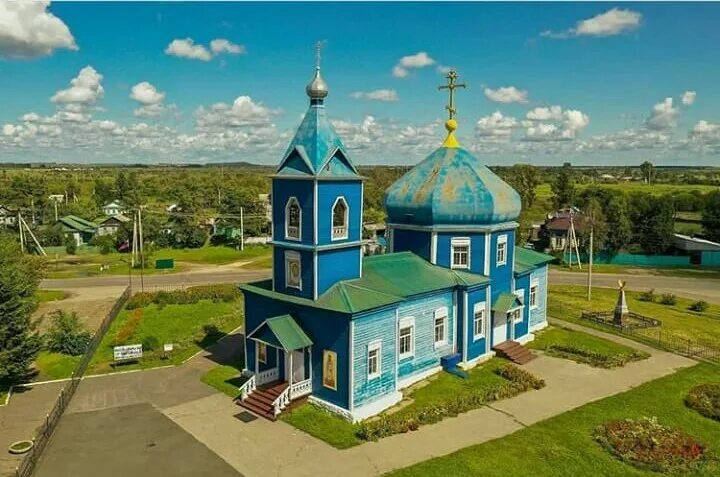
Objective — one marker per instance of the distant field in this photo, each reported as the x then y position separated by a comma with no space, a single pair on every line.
655,189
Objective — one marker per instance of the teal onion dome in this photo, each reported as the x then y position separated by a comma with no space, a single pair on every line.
451,187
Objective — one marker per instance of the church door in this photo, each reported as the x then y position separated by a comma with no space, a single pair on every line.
499,328
298,363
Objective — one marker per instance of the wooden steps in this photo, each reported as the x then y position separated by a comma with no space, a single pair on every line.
514,351
260,401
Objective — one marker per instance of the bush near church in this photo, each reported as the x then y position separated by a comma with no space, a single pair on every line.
187,296
705,399
646,444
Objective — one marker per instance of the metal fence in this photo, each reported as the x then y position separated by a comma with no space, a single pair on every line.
45,431
649,331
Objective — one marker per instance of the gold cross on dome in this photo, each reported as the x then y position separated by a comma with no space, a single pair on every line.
452,77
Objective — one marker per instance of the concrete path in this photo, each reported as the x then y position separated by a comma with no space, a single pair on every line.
246,446
694,288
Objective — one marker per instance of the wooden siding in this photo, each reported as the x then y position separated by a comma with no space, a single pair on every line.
539,314
328,192
415,241
477,250
477,347
523,283
337,264
376,327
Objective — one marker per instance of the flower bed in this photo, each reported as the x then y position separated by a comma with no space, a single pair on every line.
648,445
518,379
705,399
593,358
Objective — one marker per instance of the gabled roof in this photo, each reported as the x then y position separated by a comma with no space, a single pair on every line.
316,149
506,302
282,332
113,204
527,260
385,281
75,223
119,217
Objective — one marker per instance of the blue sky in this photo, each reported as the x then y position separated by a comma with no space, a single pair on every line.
610,83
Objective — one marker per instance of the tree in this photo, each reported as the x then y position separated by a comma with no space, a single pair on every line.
564,187
617,220
67,334
594,219
20,343
711,216
524,178
647,170
653,220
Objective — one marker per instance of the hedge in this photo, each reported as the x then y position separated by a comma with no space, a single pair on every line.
226,293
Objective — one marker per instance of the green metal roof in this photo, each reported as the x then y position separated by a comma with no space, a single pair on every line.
75,223
527,260
506,302
385,280
282,332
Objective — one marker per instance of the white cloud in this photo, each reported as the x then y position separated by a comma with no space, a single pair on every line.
506,94
146,94
85,88
688,98
612,22
186,48
28,30
664,116
545,113
409,62
554,124
377,95
221,45
496,125
243,112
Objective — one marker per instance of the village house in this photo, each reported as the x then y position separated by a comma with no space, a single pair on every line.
111,225
8,216
114,208
81,230
351,331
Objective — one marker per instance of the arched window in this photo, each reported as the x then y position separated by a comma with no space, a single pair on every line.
293,219
340,219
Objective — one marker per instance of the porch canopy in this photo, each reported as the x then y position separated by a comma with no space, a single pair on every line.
506,302
282,332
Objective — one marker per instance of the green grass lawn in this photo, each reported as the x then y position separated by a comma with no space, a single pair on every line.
323,425
225,378
564,446
698,272
182,325
608,352
215,255
51,295
442,387
568,301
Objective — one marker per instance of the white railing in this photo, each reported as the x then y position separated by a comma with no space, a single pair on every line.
300,389
268,376
281,401
247,388
339,232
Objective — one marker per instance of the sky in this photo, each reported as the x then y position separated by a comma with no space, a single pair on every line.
547,83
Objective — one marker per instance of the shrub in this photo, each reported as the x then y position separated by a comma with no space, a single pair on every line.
67,334
519,381
646,444
700,306
593,358
127,330
668,299
70,245
705,399
150,343
647,295
216,293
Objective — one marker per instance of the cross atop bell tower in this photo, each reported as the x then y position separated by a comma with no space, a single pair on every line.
451,123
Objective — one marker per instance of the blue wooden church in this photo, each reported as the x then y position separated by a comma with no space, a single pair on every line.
350,331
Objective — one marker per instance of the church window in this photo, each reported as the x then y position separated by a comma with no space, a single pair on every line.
293,219
374,359
534,295
515,315
502,250
406,340
441,318
460,253
293,278
340,219
479,320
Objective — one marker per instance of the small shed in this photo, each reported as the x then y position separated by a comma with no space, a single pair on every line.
79,229
702,252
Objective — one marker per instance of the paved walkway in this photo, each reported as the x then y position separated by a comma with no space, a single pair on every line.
246,446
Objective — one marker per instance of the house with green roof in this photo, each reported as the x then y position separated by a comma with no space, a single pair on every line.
351,332
81,230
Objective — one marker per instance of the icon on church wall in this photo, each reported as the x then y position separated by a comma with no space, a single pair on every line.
330,369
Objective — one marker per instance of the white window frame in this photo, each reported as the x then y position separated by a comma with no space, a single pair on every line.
534,291
375,346
512,315
440,314
261,345
501,240
288,236
406,323
290,256
481,308
459,242
345,230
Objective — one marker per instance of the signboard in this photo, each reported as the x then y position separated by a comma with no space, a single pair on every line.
168,347
121,353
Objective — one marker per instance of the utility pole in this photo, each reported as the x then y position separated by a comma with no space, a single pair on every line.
590,260
242,231
56,214
20,229
142,256
133,250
